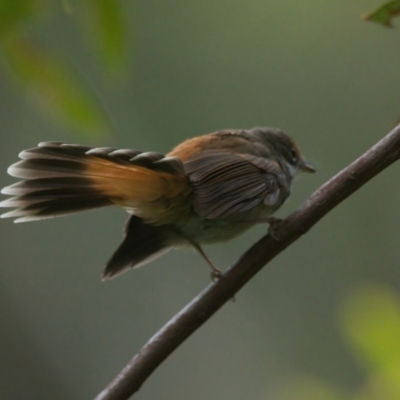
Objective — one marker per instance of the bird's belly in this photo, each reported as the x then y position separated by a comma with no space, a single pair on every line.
203,230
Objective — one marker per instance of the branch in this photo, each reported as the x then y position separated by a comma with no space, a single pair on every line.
201,308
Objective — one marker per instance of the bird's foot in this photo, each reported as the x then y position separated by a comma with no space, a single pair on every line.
215,274
274,224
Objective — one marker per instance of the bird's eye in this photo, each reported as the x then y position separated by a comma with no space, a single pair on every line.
293,154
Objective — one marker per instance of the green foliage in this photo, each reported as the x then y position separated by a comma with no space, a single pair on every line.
50,83
369,320
384,14
55,88
109,30
14,13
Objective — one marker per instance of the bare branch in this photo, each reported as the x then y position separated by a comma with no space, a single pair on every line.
200,309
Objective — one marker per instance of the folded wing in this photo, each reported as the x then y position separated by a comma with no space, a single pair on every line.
227,182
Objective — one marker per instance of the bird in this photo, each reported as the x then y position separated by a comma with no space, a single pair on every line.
208,189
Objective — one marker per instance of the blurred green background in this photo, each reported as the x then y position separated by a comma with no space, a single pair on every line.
322,320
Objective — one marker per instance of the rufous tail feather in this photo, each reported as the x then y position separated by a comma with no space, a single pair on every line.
62,178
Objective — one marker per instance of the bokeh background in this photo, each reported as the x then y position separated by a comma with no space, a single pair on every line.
322,320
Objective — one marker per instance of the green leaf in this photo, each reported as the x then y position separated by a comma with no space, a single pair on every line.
54,88
384,14
13,13
67,7
383,385
370,322
109,28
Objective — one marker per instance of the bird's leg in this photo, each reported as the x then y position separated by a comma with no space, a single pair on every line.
215,273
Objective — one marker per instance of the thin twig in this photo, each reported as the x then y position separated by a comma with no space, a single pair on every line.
200,309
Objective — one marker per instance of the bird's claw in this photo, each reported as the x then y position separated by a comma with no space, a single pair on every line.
274,223
215,274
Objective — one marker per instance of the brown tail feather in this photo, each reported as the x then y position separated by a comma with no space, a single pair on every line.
61,179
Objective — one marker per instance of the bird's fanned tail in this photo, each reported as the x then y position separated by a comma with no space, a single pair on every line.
61,178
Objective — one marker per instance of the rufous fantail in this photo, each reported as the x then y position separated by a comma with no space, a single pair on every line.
207,189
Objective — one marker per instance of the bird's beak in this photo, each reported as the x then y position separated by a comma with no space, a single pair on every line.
307,167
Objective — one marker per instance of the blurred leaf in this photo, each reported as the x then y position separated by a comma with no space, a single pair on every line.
384,14
383,385
67,7
54,87
12,12
109,30
307,388
370,321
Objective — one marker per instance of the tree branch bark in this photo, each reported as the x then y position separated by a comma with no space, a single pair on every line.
201,308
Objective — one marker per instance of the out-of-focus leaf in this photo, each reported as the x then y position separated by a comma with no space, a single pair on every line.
383,385
13,12
307,388
109,30
55,88
67,7
370,321
384,14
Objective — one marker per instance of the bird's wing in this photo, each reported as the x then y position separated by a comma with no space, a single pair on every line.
226,182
